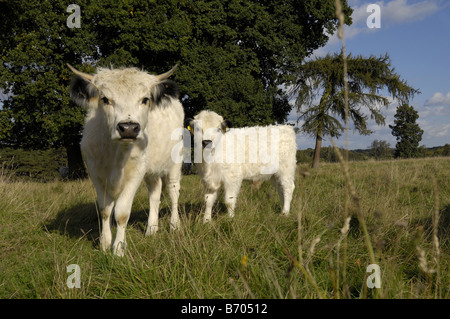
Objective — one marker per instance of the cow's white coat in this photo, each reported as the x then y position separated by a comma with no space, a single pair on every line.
116,166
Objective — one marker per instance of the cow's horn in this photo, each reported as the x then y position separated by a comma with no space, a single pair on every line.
164,76
88,77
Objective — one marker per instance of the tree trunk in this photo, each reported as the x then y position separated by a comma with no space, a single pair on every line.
75,162
316,157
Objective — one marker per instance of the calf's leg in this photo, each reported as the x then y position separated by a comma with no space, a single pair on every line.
231,194
210,199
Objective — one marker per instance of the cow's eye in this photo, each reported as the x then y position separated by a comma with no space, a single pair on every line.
145,100
105,100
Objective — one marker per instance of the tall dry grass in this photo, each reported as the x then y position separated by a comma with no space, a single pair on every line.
344,217
47,226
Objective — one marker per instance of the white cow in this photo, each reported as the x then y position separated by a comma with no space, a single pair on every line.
229,156
131,115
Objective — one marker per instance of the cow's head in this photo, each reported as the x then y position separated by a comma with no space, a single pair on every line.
207,125
123,97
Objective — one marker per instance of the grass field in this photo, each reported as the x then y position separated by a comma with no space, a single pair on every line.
46,227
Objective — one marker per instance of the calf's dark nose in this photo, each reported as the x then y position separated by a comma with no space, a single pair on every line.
128,130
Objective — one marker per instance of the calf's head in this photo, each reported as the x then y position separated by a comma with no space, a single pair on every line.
123,98
207,127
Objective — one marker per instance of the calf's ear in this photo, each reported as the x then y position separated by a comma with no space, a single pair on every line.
225,126
163,91
189,124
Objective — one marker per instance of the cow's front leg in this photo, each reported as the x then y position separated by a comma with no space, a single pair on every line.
154,186
173,187
210,199
122,213
106,205
105,202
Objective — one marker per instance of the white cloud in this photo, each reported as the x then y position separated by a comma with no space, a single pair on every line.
439,99
437,106
433,130
399,11
438,111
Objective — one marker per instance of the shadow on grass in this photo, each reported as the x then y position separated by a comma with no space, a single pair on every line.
77,221
83,220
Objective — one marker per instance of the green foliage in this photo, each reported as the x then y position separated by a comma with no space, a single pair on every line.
324,78
407,132
328,155
380,150
445,150
36,165
233,56
36,45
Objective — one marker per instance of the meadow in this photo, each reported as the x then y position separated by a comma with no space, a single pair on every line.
399,218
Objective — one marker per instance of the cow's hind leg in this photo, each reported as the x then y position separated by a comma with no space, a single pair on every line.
154,186
285,187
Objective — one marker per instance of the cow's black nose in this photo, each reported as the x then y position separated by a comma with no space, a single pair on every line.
128,130
205,143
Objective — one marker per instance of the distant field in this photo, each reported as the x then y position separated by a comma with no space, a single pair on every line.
45,227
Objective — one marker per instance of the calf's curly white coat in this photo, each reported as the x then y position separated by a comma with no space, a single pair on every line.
250,153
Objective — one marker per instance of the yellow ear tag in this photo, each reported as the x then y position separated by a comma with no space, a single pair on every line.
189,127
227,129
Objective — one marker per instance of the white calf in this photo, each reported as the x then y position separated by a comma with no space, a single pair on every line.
229,156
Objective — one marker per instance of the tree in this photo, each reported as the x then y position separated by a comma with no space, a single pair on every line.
324,78
446,150
380,150
36,44
407,132
233,58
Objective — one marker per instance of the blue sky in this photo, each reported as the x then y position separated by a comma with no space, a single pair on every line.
415,34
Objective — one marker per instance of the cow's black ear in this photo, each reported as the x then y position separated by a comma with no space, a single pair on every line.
164,91
81,90
225,125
